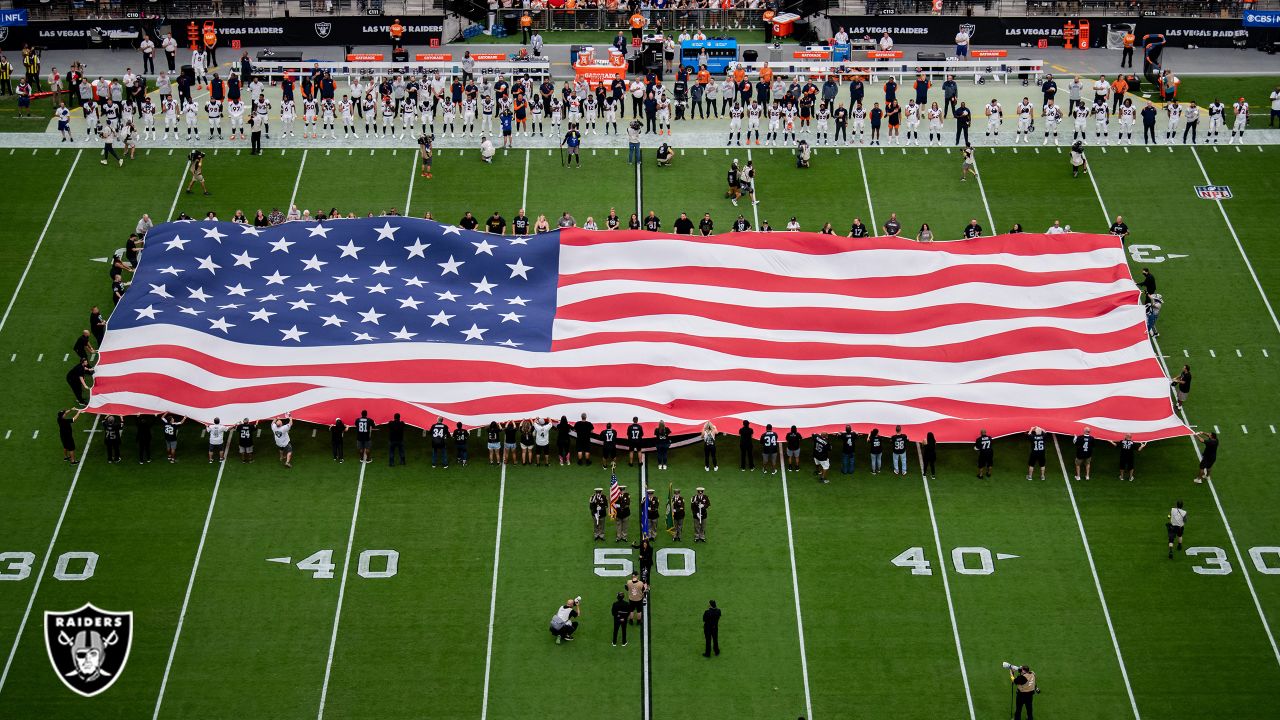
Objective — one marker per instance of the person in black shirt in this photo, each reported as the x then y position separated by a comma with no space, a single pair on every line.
1128,449
857,230
711,628
460,444
734,179
142,428
609,443
67,435
634,222
986,453
876,115
583,429
841,115
769,449
440,443
652,223
244,435
1208,456
117,289
520,223
746,452
821,456
1036,458
793,448
891,226
635,433
336,431
509,430
97,325
395,439
562,440
876,443
493,441
741,224
848,440
705,225
1084,453
1119,228
364,436
612,222
963,118
77,378
662,443
929,457
84,346
620,611
468,221
972,230
898,448
496,224
683,225
112,430
1148,283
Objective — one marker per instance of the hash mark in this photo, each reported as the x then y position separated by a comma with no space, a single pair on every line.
35,435
1264,353
7,433
326,152
1213,354
1185,353
40,357
1238,353
1244,429
13,357
1216,430
65,356
1273,429
313,432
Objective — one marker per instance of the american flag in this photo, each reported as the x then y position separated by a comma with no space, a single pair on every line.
391,314
614,493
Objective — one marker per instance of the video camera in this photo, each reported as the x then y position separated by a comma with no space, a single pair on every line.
426,140
195,155
636,124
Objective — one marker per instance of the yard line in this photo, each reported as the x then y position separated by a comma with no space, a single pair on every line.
1097,584
871,209
191,581
977,175
413,175
524,193
39,240
646,681
795,587
297,181
946,584
44,561
755,193
1243,256
639,192
173,206
342,590
493,592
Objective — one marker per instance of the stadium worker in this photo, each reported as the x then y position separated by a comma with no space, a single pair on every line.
701,504
898,448
364,436
1208,456
1128,449
280,428
821,456
1182,385
67,435
1084,452
620,610
746,447
336,432
563,623
622,514
711,628
582,429
1177,522
1036,458
636,589
599,509
395,440
677,514
1024,686
986,453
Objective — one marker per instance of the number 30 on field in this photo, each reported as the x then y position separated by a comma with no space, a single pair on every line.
1214,560
15,566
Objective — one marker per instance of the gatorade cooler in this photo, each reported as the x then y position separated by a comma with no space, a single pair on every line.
784,24
1084,34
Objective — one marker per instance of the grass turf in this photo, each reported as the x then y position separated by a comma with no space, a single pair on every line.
256,636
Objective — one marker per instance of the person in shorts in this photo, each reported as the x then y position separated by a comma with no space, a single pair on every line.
526,443
217,447
793,448
493,442
244,434
1036,458
364,436
1177,523
280,428
509,431
1208,456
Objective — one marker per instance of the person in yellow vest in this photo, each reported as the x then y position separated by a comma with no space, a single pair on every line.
31,68
6,76
526,26
396,31
1024,690
1126,55
210,45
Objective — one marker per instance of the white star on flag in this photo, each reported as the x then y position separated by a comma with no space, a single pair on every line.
409,302
452,230
221,324
451,266
275,278
176,243
363,336
159,290
171,270
447,295
415,282
300,305
293,333
339,298
332,320
475,333
510,317
519,268
484,247
240,290
403,334
213,234
198,294
244,259
371,315
261,314
440,318
319,231
148,312
207,263
350,250
281,245
484,286
315,263
417,249
386,232
382,268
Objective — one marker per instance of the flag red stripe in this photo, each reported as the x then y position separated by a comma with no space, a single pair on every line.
809,243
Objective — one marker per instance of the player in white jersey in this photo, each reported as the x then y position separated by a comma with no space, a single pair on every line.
170,110
1052,115
427,113
610,115
912,114
262,108
1192,123
280,432
995,116
409,117
1128,118
859,114
789,125
328,118
1174,112
735,123
664,114
469,109
1080,115
591,111
775,123
346,109
1026,119
213,110
448,113
554,115
755,111
369,111
235,116
190,110
63,116
573,110
148,111
935,124
1101,116
1241,120
288,114
1216,111
309,113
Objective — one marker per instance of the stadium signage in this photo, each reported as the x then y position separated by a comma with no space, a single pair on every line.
13,18
1213,192
941,30
1262,18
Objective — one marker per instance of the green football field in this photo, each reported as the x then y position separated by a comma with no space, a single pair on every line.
364,591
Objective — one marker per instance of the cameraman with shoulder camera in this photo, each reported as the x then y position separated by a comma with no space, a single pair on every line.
1024,689
195,165
424,152
633,142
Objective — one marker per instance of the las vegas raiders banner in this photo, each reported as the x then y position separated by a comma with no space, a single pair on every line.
88,647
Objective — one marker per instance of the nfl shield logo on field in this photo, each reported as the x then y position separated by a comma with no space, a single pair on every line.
1214,192
323,28
969,29
88,647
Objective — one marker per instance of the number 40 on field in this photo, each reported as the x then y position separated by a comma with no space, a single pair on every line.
966,560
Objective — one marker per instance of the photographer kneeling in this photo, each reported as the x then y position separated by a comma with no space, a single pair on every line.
665,155
802,154
563,624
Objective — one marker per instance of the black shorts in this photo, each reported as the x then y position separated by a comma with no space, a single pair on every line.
1175,531
1084,458
610,452
68,442
584,445
985,458
1207,461
1036,459
637,606
1126,461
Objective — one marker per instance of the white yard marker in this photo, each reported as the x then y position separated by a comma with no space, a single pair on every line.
173,206
524,192
1215,429
646,677
35,435
977,175
44,561
350,152
1097,584
1273,429
795,587
1185,353
298,180
342,592
327,151
1212,354
413,175
1243,256
8,433
946,584
493,592
39,240
1238,353
191,581
1264,353
1244,429
40,357
871,209
67,356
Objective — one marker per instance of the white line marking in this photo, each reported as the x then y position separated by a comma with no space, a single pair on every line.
646,677
493,592
342,592
1238,353
7,433
13,357
755,187
977,175
524,193
1243,256
1212,354
297,181
795,587
178,193
191,581
1244,429
413,176
35,435
40,357
946,584
871,210
1185,353
1215,429
44,561
281,560
40,240
67,356
1264,353
1273,430
1097,584
313,432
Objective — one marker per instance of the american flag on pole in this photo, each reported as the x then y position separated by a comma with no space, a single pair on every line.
615,492
391,314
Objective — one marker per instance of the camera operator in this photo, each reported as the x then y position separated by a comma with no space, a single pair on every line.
1024,690
563,623
424,152
633,142
664,155
195,165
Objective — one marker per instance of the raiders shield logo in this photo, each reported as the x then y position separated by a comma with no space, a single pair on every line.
4,34
88,647
1213,192
323,29
969,29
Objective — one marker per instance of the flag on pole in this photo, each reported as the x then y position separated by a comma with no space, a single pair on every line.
644,516
671,518
614,494
392,314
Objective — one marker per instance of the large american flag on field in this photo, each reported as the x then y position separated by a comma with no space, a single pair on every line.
391,314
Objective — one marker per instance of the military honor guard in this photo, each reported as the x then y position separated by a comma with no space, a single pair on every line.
651,510
677,513
701,503
599,509
622,512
